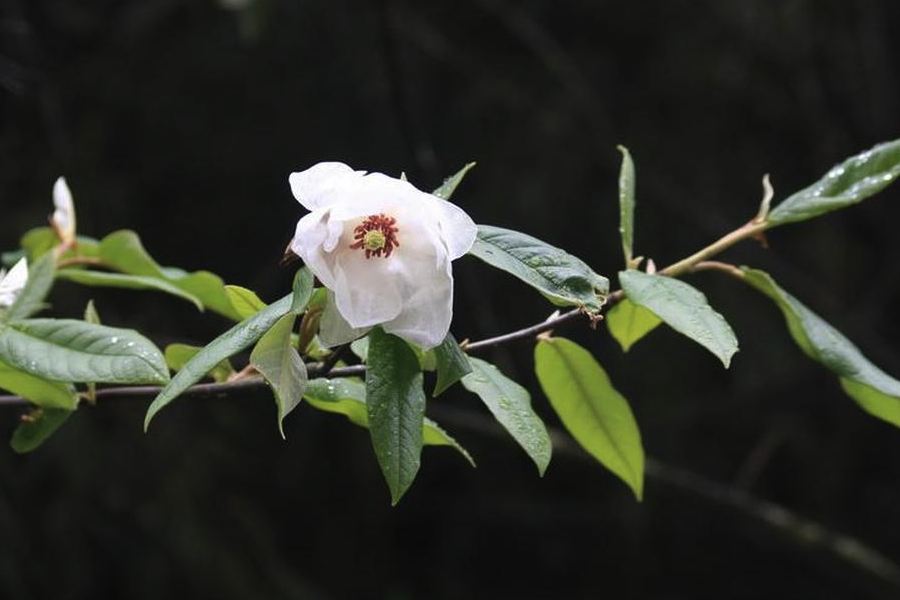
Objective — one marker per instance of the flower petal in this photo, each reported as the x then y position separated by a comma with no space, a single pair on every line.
64,216
425,319
457,228
315,187
366,291
334,329
13,282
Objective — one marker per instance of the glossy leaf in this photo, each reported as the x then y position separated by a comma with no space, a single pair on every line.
238,338
876,392
348,397
847,183
71,350
132,282
278,362
450,184
628,323
123,251
626,204
178,355
31,299
596,415
37,427
510,404
683,308
44,393
245,302
562,278
395,404
451,364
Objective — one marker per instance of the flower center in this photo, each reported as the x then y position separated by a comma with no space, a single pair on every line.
376,236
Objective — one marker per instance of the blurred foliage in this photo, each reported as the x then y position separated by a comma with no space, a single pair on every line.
181,120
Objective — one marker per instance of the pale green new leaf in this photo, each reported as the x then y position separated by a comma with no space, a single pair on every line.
847,183
40,424
71,350
510,404
876,392
130,282
451,364
596,415
683,308
178,355
44,393
562,278
449,186
628,323
281,366
245,302
348,397
626,204
31,298
238,338
395,403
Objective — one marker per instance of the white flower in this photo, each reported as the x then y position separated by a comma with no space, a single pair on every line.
63,219
12,283
383,250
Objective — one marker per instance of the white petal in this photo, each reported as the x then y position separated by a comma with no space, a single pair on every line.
13,282
427,313
366,291
311,233
64,215
334,330
316,186
457,228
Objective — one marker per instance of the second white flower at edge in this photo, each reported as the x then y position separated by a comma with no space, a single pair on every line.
383,249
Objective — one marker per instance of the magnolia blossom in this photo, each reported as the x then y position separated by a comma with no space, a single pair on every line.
383,250
63,218
12,283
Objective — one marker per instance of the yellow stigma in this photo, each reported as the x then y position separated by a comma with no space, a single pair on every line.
374,240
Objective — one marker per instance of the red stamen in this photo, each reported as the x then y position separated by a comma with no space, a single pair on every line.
382,223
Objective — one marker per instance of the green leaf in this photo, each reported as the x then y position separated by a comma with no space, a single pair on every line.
348,397
876,392
626,204
449,186
44,393
178,355
37,427
238,338
396,409
451,364
71,350
562,278
123,251
245,302
281,366
303,290
628,323
31,299
510,404
683,308
596,415
853,180
131,282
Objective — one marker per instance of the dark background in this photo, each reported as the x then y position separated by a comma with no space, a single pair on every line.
182,120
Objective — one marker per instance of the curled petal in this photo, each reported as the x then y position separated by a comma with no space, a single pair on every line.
316,186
